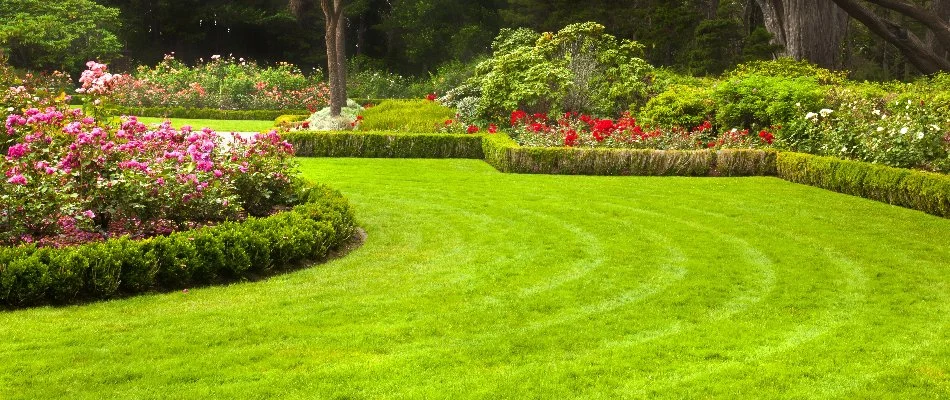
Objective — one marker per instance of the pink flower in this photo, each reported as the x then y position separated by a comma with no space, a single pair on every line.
89,214
17,179
18,150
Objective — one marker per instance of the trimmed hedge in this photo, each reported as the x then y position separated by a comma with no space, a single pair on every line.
321,221
384,144
206,113
507,156
919,190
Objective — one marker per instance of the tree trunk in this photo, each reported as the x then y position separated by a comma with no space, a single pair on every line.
916,52
336,53
941,10
808,29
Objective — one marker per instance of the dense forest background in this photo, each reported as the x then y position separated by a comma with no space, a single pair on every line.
415,37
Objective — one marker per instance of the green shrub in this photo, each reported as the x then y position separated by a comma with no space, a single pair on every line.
416,116
758,101
289,119
787,68
384,145
680,105
923,191
321,221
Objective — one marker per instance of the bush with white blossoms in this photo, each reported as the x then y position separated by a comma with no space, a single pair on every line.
903,133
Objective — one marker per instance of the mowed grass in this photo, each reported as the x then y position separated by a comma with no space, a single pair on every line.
220,125
477,284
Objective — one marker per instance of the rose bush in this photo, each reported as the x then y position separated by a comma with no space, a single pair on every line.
70,178
223,83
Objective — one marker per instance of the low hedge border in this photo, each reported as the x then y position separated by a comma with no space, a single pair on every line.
231,251
919,190
378,144
507,156
206,113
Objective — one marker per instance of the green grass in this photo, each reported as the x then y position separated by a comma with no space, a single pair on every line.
418,116
477,284
221,125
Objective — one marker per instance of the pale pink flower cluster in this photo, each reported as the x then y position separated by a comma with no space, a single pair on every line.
96,80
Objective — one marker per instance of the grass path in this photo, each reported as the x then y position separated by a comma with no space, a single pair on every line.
476,284
216,124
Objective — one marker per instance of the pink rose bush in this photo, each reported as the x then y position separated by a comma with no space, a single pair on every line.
70,178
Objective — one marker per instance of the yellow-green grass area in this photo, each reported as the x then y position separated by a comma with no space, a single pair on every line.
478,284
220,125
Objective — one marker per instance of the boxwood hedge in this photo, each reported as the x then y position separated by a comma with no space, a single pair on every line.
320,222
206,113
373,144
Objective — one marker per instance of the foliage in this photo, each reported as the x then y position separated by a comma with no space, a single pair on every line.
321,120
70,178
222,83
924,191
379,144
417,116
755,101
319,222
787,68
57,34
580,130
580,68
681,105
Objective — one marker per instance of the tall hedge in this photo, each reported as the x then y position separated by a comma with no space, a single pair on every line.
320,222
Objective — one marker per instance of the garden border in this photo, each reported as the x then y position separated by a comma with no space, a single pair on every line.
321,222
918,190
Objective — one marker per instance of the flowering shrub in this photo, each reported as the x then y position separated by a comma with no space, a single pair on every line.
70,178
24,90
900,133
580,130
224,83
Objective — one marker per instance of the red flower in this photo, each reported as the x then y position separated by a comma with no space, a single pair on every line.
767,137
431,96
448,122
492,128
570,139
305,124
711,144
517,116
472,129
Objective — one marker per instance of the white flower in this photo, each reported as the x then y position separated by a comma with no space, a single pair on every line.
811,115
880,129
216,56
844,149
904,130
876,112
798,104
920,135
825,112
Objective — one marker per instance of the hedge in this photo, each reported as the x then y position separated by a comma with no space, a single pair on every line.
321,221
507,156
919,190
384,144
206,113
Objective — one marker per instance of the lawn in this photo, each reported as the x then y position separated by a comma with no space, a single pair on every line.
221,125
476,284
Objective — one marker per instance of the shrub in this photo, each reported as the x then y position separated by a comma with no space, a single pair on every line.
417,116
755,101
320,222
580,68
385,145
222,83
924,191
73,179
681,105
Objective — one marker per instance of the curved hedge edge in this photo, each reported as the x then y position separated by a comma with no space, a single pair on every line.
372,144
206,113
918,190
231,251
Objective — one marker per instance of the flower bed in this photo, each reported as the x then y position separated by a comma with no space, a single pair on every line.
69,178
222,83
319,221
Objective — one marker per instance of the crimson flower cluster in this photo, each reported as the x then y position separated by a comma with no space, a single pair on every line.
579,130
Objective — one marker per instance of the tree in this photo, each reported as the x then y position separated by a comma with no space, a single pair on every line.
335,34
57,34
921,55
812,30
